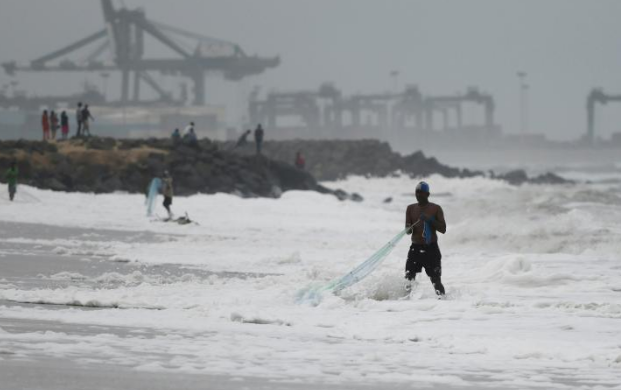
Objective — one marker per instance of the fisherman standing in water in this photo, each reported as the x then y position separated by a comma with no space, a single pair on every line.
424,219
167,191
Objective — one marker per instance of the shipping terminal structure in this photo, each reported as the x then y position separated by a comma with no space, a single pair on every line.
408,117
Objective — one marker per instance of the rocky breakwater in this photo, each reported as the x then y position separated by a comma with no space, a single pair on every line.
336,159
103,165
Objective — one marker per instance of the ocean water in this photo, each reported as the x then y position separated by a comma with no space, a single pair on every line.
533,279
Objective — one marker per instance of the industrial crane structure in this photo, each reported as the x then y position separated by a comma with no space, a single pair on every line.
312,108
328,112
123,36
446,103
596,96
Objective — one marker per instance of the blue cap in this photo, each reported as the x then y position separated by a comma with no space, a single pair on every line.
423,187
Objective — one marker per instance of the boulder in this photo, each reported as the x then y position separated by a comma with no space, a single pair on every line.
550,178
53,184
515,177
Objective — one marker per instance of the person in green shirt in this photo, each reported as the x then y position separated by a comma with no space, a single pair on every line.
11,178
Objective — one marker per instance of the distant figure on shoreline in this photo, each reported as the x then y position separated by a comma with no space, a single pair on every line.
188,129
78,120
53,124
176,137
258,138
167,191
11,178
300,161
64,125
190,137
86,117
45,124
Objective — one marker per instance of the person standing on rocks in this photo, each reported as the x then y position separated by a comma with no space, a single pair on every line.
86,117
258,138
189,129
53,124
11,178
176,137
424,219
78,120
190,137
64,124
167,191
300,162
45,124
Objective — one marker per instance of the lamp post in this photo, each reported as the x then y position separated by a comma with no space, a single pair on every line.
395,80
523,103
104,76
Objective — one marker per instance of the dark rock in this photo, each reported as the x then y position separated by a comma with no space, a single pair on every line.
518,177
5,161
156,164
356,197
111,184
276,192
336,159
209,167
550,178
340,194
515,177
53,184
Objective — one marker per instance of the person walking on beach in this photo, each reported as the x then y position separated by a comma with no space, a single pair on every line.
86,117
11,178
53,124
424,219
78,120
45,124
64,124
167,191
258,138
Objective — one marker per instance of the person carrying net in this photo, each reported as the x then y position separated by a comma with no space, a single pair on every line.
424,219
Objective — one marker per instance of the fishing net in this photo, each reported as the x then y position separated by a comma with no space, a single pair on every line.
154,189
313,294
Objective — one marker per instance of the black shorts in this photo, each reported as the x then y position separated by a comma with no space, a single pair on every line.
167,201
424,256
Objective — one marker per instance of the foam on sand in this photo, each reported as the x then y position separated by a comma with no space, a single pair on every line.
532,273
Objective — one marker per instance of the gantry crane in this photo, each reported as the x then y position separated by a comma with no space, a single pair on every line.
123,36
596,96
442,103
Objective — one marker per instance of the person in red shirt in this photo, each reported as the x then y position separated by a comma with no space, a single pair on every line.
300,162
45,124
424,219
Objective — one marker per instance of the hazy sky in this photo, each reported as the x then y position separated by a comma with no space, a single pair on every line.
566,46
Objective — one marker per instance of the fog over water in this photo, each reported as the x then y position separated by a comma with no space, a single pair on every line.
566,47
